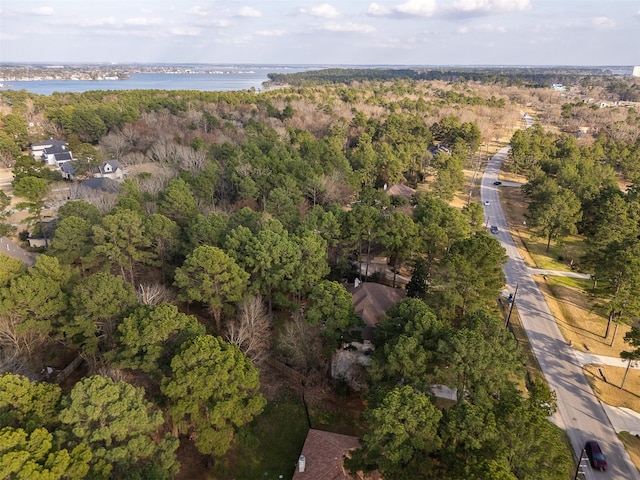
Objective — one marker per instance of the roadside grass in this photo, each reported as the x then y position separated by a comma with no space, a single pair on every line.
581,317
532,368
609,391
632,443
533,249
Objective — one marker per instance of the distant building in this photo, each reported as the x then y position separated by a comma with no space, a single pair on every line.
636,71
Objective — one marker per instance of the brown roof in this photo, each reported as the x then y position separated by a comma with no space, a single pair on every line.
401,190
372,300
323,453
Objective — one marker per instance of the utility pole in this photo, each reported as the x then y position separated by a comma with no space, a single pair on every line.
513,301
579,467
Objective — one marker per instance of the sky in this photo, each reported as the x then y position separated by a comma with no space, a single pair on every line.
337,32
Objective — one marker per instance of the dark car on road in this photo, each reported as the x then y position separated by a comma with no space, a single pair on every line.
596,457
493,229
497,182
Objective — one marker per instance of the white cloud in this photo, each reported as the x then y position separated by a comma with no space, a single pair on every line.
462,30
417,8
637,15
141,21
490,28
271,33
376,10
603,23
489,6
455,8
323,11
43,11
185,31
249,12
594,23
96,22
347,27
198,11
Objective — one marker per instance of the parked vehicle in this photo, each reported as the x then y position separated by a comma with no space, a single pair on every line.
497,182
596,457
493,229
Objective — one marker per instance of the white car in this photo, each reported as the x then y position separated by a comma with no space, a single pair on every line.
487,203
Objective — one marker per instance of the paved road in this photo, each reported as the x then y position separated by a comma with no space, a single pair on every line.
580,413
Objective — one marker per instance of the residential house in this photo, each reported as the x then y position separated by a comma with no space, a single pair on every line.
371,301
37,148
110,169
400,190
323,457
68,171
56,155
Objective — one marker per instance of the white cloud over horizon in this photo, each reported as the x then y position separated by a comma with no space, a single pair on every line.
403,32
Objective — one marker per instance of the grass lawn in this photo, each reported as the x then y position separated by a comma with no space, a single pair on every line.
610,392
270,445
344,418
534,249
633,446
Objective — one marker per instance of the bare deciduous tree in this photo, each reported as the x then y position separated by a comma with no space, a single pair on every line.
133,158
17,342
301,345
250,329
154,294
103,201
115,145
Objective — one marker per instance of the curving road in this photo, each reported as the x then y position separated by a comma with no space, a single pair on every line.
579,413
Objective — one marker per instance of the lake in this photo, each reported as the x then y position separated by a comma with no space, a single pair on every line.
209,82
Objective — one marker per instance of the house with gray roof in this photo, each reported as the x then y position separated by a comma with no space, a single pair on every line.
110,169
37,148
56,155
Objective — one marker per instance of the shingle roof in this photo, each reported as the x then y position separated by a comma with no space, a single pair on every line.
63,156
401,190
104,184
67,167
323,453
372,300
54,149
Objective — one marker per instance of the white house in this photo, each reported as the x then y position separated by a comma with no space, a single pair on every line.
38,147
56,155
110,169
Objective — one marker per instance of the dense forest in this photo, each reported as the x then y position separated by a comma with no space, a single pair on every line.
232,240
616,86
